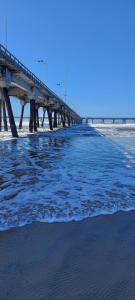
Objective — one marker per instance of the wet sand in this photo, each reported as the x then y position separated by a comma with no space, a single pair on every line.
92,259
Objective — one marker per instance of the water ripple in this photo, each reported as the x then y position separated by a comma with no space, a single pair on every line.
67,175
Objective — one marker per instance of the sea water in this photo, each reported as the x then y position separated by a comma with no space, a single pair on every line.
67,175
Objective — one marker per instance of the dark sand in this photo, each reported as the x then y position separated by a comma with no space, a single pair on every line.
93,259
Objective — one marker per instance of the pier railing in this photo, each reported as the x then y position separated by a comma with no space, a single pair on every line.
105,120
11,58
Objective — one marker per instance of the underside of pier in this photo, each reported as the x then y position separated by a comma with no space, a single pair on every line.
20,83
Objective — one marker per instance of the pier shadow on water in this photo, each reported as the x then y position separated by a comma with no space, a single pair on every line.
70,174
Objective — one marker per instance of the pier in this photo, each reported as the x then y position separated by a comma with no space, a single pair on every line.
108,120
18,81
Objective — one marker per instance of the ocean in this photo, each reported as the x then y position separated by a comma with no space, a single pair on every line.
67,175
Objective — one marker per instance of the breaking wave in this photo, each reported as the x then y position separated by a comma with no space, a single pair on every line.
67,175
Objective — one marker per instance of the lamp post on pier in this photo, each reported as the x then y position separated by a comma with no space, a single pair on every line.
43,62
64,92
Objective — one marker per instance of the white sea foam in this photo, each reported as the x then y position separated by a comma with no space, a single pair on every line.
67,175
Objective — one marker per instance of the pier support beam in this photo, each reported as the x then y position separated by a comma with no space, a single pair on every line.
63,119
59,119
32,122
68,121
43,118
10,112
21,116
49,112
0,114
37,117
4,116
55,119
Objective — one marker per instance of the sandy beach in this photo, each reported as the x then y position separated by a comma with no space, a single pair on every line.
5,136
92,259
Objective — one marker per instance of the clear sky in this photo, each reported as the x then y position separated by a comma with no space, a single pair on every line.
89,45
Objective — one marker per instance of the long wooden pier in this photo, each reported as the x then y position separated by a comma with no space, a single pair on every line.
109,120
18,81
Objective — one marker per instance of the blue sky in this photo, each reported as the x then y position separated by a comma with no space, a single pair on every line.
89,45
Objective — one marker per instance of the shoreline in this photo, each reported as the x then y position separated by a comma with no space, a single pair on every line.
7,136
90,259
24,133
81,220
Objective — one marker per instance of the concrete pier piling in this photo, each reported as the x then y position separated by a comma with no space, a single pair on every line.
21,116
49,112
4,116
0,114
32,121
55,119
10,112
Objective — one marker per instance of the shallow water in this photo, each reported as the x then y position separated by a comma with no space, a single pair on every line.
67,175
